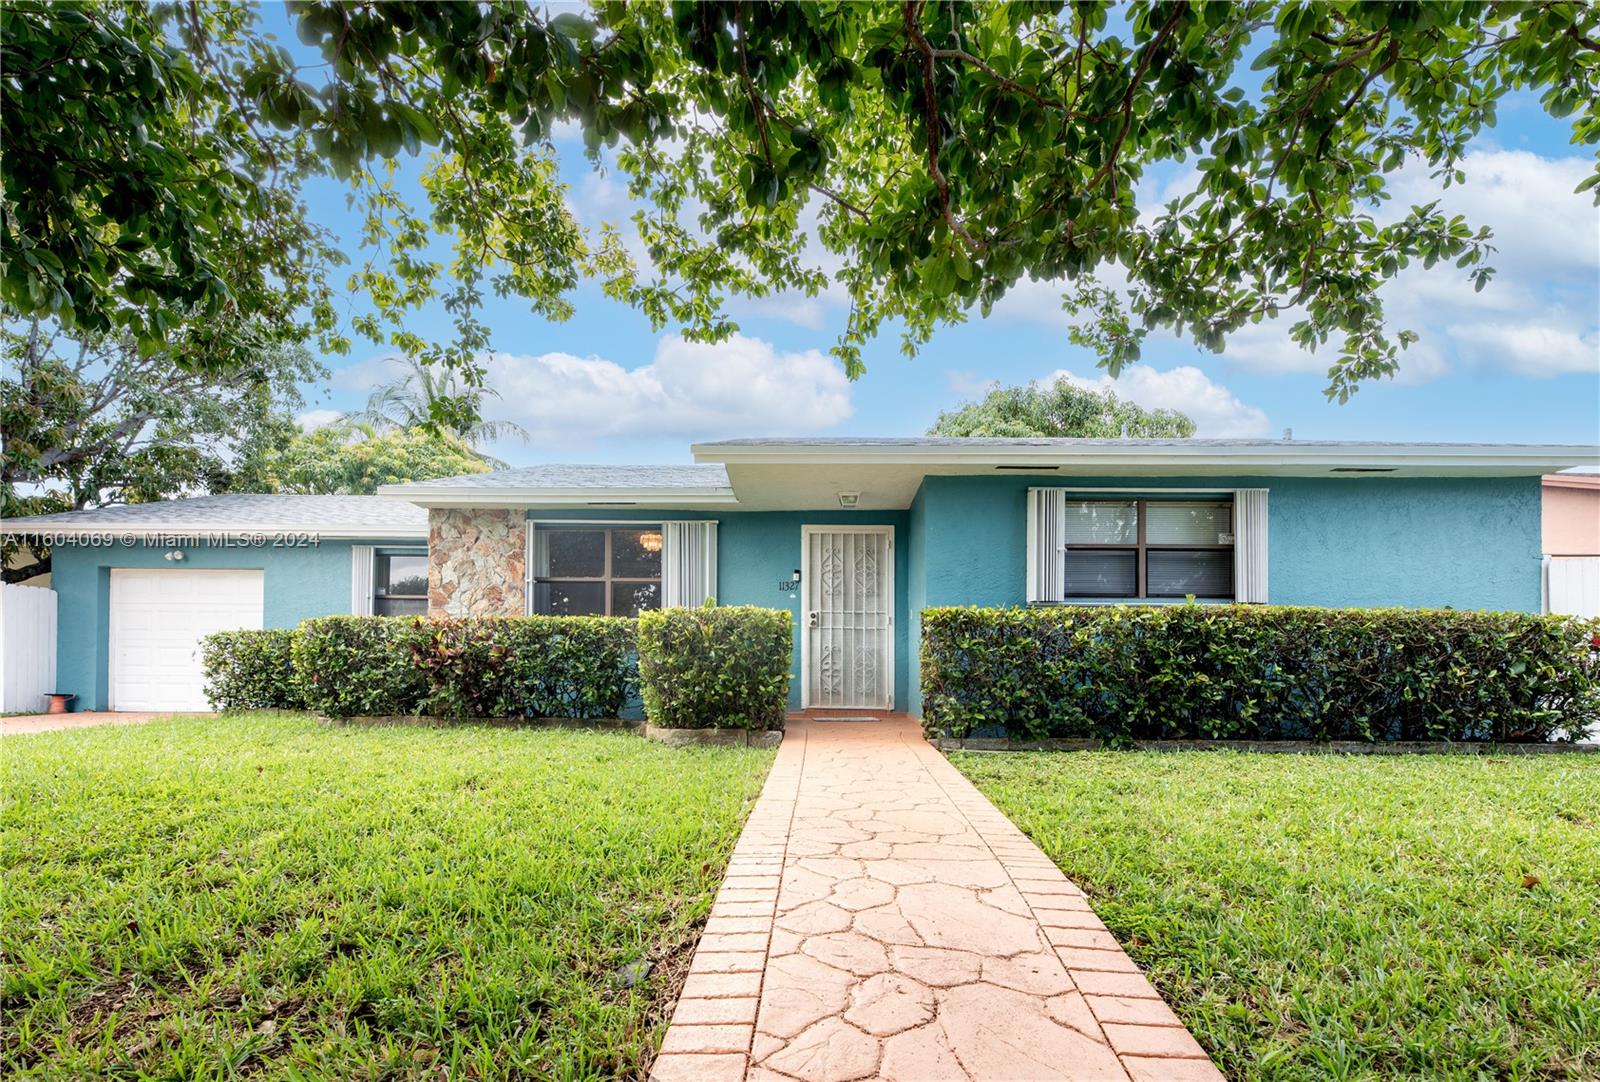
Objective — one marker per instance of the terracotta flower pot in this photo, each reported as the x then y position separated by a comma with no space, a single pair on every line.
60,703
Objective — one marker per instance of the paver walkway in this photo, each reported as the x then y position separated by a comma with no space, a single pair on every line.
881,919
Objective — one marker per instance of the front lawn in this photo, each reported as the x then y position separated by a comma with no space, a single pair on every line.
1331,917
266,895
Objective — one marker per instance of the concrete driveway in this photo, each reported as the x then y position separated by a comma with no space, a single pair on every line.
44,723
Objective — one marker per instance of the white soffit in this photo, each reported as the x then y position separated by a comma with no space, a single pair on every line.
809,474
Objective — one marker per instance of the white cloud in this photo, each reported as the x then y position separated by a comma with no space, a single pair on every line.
1532,349
796,308
1539,223
969,384
311,420
740,386
1215,410
1539,316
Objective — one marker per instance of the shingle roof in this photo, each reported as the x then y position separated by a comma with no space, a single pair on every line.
332,516
558,476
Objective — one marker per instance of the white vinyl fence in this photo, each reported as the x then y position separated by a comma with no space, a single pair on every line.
1572,585
27,647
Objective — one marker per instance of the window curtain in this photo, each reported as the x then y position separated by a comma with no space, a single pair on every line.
361,580
1250,546
1047,530
688,563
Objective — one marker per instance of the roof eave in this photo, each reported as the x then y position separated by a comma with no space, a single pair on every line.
20,528
470,496
1533,459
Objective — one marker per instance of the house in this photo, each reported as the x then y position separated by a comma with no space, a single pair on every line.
854,536
1571,526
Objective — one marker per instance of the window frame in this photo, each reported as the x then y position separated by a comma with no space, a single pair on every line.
1141,548
380,559
607,579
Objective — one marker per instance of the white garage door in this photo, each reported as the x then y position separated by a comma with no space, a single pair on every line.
157,621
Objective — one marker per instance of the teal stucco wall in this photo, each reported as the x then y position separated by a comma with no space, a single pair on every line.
298,583
756,550
1464,543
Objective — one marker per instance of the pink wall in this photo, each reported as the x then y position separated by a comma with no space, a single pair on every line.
1572,515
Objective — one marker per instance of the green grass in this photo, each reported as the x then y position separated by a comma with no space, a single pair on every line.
267,896
1331,917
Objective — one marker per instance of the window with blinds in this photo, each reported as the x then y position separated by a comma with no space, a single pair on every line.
1149,549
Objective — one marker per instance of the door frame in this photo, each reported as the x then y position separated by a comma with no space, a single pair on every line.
806,530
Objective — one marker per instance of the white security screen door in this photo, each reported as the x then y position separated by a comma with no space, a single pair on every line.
848,643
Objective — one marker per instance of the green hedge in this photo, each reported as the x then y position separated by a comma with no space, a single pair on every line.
715,668
1125,673
251,670
350,666
529,666
518,666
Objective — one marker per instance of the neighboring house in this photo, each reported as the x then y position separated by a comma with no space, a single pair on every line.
1571,526
855,536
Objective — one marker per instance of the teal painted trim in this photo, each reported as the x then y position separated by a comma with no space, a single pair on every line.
758,549
1465,543
300,582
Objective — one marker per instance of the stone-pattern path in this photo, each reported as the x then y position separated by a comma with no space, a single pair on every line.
881,919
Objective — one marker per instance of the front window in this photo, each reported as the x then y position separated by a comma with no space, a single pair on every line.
596,571
400,584
1149,549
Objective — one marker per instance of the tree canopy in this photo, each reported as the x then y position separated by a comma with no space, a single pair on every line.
94,422
921,158
419,396
345,459
1060,409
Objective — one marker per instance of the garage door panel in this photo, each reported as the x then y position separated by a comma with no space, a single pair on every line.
158,618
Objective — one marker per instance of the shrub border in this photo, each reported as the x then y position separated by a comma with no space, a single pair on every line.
431,721
1268,747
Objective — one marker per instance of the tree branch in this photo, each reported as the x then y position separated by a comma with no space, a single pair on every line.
930,100
40,566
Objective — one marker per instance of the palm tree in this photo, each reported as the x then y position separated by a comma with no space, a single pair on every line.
434,397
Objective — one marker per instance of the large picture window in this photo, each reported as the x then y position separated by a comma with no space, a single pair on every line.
1149,548
400,584
596,571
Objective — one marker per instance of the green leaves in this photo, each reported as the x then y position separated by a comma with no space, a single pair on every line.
250,670
526,666
1258,673
922,157
1061,409
346,459
715,668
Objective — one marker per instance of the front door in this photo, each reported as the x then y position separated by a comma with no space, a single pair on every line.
848,587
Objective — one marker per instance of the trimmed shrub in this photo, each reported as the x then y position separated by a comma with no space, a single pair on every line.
715,668
1124,673
514,666
527,666
349,666
251,670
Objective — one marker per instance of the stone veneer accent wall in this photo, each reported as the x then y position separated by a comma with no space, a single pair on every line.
476,562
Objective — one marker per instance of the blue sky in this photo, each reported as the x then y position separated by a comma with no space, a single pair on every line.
1519,362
